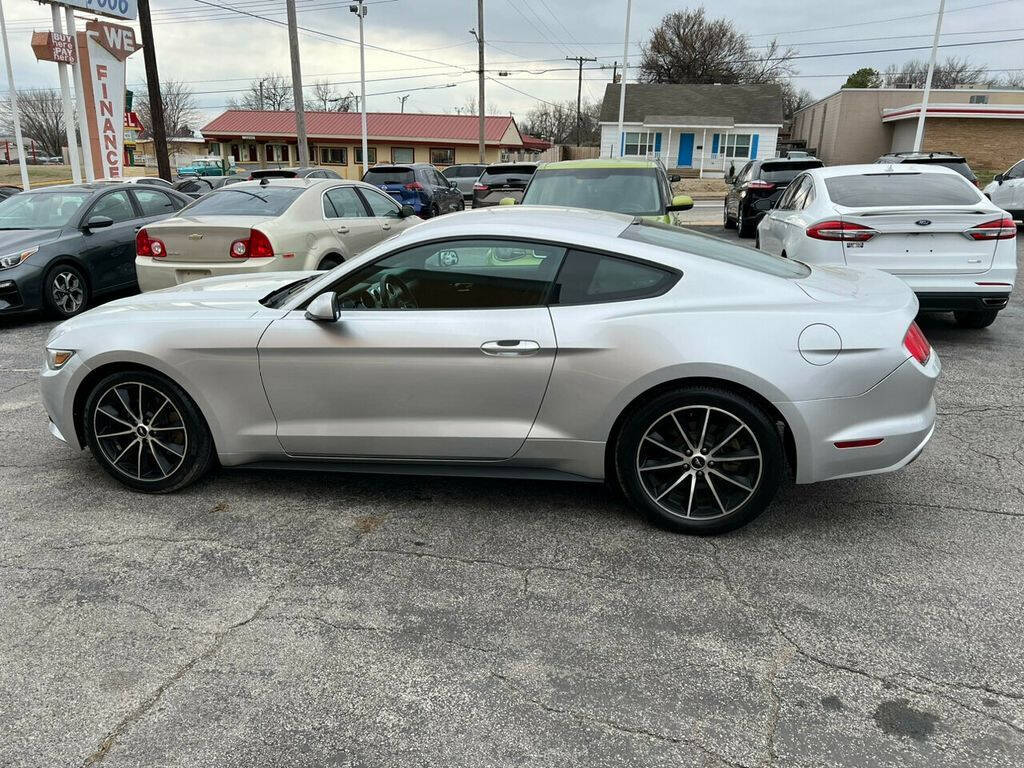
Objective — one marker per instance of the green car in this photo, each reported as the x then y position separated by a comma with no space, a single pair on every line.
638,187
209,166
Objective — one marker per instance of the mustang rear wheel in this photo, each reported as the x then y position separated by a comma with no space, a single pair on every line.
146,432
700,460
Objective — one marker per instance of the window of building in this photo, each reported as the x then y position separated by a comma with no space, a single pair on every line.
737,145
403,155
638,143
284,152
270,152
215,148
235,153
253,153
442,155
371,152
979,98
334,155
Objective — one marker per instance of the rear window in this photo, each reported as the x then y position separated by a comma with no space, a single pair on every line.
247,201
381,176
885,189
787,171
504,172
688,241
960,166
274,173
620,190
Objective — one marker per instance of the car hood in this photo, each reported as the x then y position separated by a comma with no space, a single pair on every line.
14,240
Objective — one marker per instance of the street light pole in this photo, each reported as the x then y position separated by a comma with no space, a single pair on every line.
919,135
625,72
300,107
360,10
403,99
14,103
480,56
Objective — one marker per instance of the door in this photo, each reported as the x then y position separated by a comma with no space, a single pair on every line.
443,351
1010,194
386,211
109,253
350,221
685,159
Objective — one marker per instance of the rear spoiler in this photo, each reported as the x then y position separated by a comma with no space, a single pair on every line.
911,210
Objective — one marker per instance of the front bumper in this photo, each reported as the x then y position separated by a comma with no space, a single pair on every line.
154,274
899,409
57,388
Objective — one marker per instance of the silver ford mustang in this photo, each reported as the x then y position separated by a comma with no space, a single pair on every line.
524,342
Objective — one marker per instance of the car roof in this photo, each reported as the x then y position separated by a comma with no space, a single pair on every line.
84,187
605,162
869,169
528,221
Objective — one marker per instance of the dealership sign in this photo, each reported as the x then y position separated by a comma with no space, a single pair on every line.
121,9
51,46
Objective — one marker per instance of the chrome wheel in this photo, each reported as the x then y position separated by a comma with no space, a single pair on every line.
140,431
67,292
699,462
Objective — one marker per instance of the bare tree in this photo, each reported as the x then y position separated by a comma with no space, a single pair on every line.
180,109
794,99
326,99
1010,80
42,118
950,73
272,92
557,123
688,47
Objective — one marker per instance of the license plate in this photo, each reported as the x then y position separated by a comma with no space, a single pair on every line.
185,275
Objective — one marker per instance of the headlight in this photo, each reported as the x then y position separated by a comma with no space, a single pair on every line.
14,259
55,358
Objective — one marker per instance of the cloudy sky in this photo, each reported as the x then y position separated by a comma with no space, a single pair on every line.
431,56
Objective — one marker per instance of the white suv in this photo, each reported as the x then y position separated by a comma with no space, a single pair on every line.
1007,191
923,223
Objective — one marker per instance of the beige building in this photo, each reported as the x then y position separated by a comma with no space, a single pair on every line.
857,125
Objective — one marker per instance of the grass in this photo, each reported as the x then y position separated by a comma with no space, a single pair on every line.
45,175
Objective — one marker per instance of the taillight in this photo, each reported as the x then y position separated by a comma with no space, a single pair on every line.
846,231
414,185
997,229
917,345
256,246
481,187
149,246
760,185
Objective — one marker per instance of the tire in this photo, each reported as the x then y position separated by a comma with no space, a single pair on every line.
744,227
65,291
138,458
728,223
649,438
977,319
434,211
330,262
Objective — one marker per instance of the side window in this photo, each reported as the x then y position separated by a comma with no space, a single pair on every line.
380,205
799,200
591,277
343,202
1017,172
745,173
458,274
155,203
786,201
189,186
114,205
808,197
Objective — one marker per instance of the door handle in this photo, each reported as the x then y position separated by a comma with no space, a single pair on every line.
342,230
510,348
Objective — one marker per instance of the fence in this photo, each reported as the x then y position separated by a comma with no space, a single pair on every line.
553,154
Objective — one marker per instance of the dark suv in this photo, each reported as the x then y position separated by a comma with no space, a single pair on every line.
418,185
949,159
757,180
502,180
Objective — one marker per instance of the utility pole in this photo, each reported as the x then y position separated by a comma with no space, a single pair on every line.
300,107
478,33
14,103
262,79
403,100
919,135
625,68
615,71
156,104
579,89
360,10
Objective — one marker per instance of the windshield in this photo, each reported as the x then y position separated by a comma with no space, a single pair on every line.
876,190
41,210
621,190
276,299
688,241
782,173
381,176
250,201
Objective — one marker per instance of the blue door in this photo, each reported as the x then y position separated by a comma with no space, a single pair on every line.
685,159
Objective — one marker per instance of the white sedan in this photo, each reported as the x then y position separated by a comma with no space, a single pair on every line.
1007,190
267,226
923,223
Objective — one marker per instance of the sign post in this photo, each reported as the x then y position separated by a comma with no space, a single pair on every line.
83,120
59,38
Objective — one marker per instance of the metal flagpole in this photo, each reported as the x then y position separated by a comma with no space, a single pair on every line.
625,72
14,102
69,110
83,120
919,135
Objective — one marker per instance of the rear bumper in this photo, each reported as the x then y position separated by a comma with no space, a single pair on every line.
954,302
154,274
900,410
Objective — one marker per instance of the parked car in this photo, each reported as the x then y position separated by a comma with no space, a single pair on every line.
293,173
637,187
6,190
290,224
204,166
418,185
153,181
197,186
442,345
1007,191
924,223
798,154
502,180
757,180
946,159
62,246
464,176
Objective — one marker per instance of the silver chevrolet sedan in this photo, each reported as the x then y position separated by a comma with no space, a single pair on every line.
693,373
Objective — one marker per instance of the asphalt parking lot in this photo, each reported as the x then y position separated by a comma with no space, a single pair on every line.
295,619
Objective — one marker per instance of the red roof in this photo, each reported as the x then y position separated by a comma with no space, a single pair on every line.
347,125
532,142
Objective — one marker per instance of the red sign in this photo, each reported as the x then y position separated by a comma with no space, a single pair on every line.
50,46
132,122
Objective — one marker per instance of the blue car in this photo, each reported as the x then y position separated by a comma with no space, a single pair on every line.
419,186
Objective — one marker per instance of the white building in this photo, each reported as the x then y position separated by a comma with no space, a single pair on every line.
699,129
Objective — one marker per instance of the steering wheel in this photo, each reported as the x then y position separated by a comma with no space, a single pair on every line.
393,293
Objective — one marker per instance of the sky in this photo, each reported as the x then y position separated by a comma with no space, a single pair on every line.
431,55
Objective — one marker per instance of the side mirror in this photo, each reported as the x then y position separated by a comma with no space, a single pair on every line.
452,183
406,212
507,201
765,204
325,308
999,178
675,178
680,203
98,222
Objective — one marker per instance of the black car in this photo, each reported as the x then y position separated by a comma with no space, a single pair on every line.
464,176
502,180
293,173
61,246
759,180
418,185
197,186
948,159
6,190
